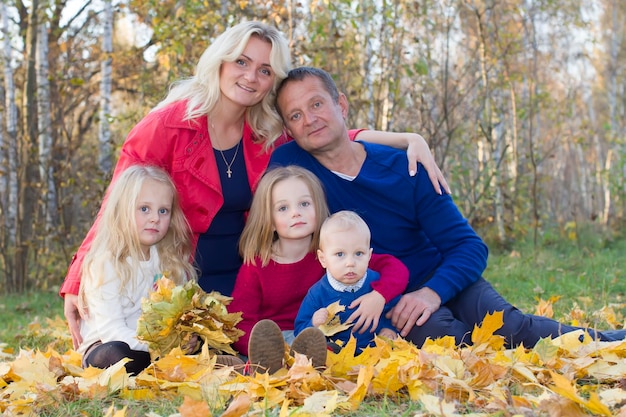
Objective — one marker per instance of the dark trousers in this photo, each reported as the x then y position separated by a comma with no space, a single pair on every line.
458,316
103,355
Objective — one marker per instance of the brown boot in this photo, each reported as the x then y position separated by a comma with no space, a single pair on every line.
266,347
311,342
230,360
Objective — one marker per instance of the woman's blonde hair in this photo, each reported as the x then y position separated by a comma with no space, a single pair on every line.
202,91
117,240
259,232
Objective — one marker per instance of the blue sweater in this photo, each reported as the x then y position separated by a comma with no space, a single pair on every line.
408,219
322,294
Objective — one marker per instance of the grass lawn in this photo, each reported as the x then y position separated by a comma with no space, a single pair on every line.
587,278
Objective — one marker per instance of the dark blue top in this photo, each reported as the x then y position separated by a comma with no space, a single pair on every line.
322,294
407,218
217,254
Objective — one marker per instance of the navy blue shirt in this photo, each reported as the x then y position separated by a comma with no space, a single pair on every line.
217,253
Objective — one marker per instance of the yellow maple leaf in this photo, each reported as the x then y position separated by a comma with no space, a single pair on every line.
438,407
322,403
113,412
359,392
333,324
544,308
483,334
564,387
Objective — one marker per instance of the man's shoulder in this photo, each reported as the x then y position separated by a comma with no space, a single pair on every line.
289,153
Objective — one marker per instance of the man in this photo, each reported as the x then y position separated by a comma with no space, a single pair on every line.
446,293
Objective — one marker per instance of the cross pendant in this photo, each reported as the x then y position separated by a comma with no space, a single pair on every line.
228,171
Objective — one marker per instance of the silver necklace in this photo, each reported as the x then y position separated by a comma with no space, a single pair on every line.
229,171
228,165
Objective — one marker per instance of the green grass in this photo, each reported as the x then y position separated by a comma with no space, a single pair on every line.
19,310
589,276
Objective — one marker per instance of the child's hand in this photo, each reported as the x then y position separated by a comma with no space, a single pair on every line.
370,307
320,317
193,345
388,333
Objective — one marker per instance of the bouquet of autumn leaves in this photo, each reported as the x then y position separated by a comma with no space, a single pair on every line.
176,315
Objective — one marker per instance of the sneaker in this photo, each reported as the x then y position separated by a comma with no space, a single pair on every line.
266,347
311,343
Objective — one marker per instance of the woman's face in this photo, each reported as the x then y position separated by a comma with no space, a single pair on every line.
248,79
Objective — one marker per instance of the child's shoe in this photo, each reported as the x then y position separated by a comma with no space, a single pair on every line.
230,360
266,347
311,343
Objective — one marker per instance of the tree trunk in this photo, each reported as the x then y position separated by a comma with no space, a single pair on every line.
27,214
45,133
9,182
104,136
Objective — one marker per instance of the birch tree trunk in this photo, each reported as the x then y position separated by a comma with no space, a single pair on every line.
104,136
45,133
27,213
9,148
615,41
8,151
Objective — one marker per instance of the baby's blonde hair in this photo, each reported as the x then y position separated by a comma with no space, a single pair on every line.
343,221
258,234
117,240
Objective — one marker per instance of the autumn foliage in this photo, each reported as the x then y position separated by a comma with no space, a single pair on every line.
567,376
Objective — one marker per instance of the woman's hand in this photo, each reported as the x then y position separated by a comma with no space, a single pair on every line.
370,307
72,315
417,150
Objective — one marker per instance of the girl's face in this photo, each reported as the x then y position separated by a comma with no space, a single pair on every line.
153,212
293,213
248,79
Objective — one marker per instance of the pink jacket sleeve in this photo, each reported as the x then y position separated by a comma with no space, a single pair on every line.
394,275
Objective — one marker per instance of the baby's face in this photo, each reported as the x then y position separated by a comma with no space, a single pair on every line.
346,255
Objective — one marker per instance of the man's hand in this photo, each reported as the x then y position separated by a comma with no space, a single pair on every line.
72,315
413,309
367,315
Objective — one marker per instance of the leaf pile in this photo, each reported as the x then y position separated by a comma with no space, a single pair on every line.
173,315
567,376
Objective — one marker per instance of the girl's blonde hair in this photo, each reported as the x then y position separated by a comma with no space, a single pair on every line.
202,91
259,232
117,240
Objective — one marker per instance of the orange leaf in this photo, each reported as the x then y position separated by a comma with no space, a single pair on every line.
239,406
193,408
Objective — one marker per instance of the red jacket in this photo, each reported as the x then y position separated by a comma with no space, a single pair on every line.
184,149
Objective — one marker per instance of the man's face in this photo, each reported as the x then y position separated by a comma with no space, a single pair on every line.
311,116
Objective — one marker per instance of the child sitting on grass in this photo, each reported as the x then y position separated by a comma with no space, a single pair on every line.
345,252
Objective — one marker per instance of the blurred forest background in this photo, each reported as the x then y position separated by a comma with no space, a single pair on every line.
521,101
